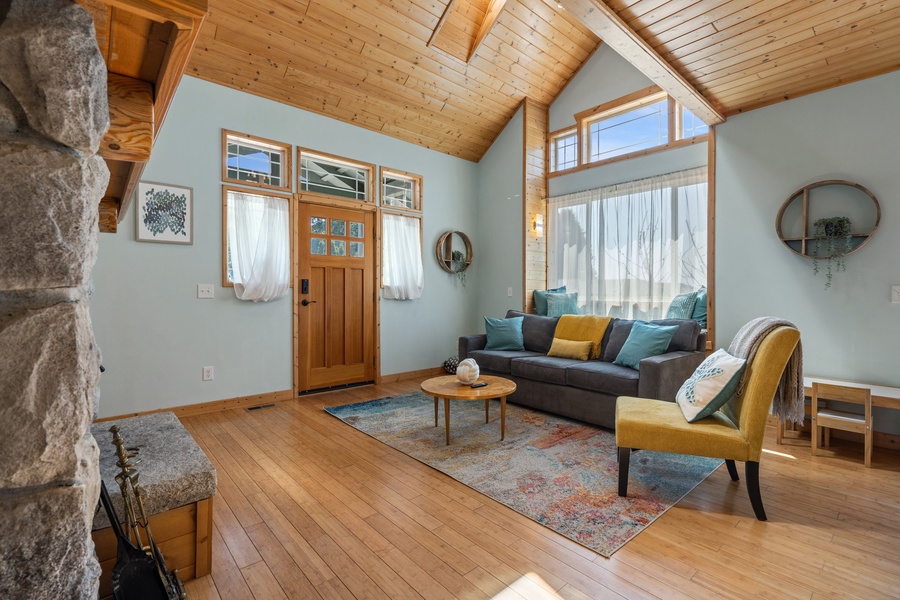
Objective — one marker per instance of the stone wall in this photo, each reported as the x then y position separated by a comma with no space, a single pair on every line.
53,113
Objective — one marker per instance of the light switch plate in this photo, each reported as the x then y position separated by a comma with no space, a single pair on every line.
895,294
205,290
509,292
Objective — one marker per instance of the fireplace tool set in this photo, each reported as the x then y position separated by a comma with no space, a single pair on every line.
140,571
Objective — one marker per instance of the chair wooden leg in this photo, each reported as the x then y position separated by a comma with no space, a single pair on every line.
624,458
732,470
751,470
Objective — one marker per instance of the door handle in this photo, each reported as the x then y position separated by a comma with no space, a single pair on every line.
306,302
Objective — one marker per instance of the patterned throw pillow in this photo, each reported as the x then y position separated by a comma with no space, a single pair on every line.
711,385
682,306
540,299
562,304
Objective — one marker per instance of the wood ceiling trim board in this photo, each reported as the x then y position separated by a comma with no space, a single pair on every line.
539,33
453,41
155,51
790,30
528,69
799,62
606,25
546,21
180,12
439,26
495,7
874,25
100,12
526,89
512,48
534,49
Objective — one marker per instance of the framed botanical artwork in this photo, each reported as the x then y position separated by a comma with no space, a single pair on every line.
165,213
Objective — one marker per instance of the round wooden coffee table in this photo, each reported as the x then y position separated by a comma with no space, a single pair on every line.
449,388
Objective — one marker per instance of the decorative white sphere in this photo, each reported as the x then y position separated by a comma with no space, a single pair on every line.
468,371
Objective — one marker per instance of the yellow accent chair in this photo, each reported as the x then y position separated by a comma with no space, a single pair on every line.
648,424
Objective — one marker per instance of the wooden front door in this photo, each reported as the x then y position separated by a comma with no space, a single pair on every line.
336,297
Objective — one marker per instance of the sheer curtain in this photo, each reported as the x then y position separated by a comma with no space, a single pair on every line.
629,249
259,246
403,276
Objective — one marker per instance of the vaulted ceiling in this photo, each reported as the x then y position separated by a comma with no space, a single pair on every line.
448,74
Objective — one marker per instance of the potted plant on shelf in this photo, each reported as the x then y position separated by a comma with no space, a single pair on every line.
834,240
458,259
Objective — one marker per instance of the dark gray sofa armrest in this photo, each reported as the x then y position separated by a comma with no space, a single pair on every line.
662,376
470,343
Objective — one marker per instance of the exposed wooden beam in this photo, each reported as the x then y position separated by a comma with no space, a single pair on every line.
609,27
109,214
440,23
130,135
495,7
180,12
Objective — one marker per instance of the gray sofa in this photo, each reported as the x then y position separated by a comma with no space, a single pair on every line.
587,390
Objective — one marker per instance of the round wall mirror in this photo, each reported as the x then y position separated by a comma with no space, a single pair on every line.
454,251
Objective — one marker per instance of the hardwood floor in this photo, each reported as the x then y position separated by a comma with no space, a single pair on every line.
308,507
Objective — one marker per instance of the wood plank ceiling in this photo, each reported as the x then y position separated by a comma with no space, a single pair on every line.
448,74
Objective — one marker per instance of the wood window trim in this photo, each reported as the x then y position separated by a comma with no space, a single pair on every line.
637,153
379,257
551,154
338,201
243,190
287,165
418,191
619,105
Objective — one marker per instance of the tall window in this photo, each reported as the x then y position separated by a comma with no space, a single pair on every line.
251,160
256,245
334,176
629,249
402,272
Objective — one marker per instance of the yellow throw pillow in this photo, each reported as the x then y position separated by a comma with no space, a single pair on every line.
570,349
581,328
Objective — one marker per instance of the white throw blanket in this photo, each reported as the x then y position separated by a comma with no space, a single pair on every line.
789,399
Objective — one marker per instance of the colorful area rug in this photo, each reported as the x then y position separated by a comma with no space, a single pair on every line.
561,473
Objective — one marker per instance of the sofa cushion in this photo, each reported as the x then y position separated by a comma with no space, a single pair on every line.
537,331
503,334
604,377
498,361
684,338
542,368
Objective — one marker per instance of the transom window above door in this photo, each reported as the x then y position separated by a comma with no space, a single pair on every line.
333,176
256,161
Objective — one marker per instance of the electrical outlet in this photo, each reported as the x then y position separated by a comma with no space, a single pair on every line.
509,292
205,290
895,294
208,374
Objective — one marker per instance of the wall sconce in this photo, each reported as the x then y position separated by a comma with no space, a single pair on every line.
538,225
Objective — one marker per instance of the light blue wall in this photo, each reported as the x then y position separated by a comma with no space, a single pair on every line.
851,132
500,229
156,335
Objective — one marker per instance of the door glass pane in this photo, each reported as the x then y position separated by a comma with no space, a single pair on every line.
318,246
338,227
318,225
338,248
356,249
356,229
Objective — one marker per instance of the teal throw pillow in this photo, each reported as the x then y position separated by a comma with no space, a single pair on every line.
540,299
711,386
504,334
700,308
562,304
682,306
644,341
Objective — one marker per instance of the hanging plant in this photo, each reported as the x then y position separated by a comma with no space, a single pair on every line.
834,240
458,260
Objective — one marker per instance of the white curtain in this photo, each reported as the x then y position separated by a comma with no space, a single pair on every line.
403,276
629,249
259,244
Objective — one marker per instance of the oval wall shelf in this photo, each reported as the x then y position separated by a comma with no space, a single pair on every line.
804,244
443,250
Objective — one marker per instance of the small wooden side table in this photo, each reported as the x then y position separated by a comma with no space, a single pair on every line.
449,388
